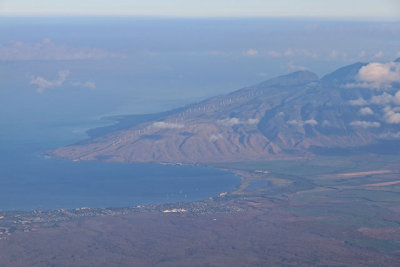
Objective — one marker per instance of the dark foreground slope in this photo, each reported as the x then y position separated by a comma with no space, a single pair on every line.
328,211
286,117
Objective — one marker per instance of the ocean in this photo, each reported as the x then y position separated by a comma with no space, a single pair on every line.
60,76
29,180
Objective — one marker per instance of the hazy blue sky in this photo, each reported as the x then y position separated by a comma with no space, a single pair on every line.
381,9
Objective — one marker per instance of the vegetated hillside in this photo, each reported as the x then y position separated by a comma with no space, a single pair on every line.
286,117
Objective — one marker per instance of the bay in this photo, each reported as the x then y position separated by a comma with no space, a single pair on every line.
29,180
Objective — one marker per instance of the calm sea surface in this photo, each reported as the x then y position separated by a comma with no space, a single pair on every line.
137,66
28,180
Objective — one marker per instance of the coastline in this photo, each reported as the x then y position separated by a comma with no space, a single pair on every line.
302,202
25,221
12,221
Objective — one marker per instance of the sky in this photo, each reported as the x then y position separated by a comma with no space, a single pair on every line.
372,9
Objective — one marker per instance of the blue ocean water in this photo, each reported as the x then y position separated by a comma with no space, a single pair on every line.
29,180
138,66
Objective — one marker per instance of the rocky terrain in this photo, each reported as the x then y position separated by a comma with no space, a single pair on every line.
291,116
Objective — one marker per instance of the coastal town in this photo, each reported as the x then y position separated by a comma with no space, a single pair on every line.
307,202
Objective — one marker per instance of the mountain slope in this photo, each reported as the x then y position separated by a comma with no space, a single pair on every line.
280,118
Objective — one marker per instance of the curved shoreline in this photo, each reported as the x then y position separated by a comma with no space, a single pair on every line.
25,221
189,183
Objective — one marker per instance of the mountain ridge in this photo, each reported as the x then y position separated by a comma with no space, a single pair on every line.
284,117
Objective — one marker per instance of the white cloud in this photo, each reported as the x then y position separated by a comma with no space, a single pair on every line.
292,66
289,52
295,122
396,98
380,72
273,54
358,102
42,84
326,123
215,137
47,50
311,122
391,116
301,123
385,99
390,135
253,121
305,53
333,54
88,84
379,54
366,111
362,54
382,99
251,52
215,52
378,75
167,125
236,121
358,85
365,124
229,122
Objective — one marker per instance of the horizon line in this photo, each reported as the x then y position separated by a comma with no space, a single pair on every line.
292,17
